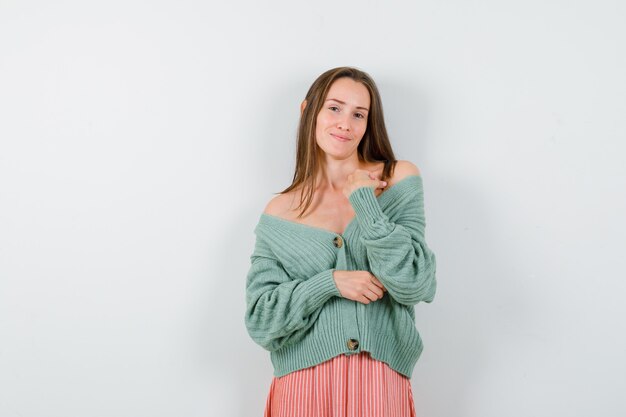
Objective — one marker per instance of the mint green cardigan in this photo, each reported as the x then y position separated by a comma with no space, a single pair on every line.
293,307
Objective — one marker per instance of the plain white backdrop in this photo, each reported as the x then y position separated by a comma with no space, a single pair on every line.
140,141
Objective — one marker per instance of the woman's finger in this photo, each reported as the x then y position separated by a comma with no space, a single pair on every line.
372,295
377,282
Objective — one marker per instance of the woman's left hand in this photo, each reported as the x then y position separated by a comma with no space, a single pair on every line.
363,178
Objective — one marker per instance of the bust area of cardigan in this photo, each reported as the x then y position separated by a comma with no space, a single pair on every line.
380,197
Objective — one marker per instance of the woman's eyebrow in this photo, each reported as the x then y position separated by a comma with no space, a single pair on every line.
342,102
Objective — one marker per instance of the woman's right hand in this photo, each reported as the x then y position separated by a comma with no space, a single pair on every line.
359,286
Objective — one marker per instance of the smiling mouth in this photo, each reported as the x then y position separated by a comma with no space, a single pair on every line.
340,138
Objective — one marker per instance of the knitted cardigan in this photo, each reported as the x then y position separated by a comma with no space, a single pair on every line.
293,306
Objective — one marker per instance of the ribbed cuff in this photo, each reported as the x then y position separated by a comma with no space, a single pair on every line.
374,223
321,287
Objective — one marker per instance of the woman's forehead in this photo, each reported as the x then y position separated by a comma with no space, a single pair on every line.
346,90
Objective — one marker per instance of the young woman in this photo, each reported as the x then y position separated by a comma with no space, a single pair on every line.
339,263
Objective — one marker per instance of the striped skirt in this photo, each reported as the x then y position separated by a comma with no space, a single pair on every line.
354,385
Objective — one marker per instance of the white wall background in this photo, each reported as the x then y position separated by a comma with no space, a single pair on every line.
140,141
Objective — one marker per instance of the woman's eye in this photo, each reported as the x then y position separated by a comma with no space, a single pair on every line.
333,108
359,115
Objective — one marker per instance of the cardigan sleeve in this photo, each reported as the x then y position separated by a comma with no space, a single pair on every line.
396,250
280,309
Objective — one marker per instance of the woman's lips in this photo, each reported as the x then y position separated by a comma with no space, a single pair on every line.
340,138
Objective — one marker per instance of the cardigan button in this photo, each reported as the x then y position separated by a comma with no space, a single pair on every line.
338,241
353,344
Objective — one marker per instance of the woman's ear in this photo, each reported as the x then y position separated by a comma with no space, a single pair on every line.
302,106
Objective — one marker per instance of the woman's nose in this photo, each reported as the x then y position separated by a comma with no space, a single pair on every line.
344,123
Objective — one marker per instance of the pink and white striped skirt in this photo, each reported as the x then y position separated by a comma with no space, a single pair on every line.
354,385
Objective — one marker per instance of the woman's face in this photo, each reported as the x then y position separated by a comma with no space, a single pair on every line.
342,120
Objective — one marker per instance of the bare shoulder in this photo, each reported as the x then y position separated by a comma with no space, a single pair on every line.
403,169
279,204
